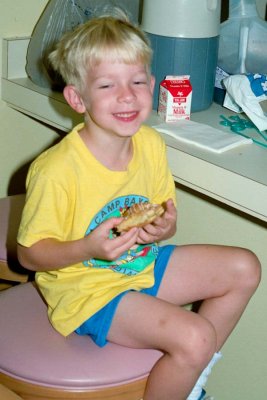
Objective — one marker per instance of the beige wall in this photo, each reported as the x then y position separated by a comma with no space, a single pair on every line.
241,373
21,138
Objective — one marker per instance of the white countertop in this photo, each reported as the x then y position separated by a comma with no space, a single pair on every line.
237,177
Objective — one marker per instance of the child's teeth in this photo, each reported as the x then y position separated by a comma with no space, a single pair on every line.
125,114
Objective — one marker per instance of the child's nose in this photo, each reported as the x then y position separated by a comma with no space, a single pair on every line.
126,94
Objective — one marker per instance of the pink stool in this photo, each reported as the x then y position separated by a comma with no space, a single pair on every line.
38,363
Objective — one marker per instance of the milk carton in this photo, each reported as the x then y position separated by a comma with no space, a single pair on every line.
175,96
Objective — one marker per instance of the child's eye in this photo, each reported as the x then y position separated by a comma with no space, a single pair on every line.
105,86
140,82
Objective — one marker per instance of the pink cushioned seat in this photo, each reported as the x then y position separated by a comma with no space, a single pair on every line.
34,353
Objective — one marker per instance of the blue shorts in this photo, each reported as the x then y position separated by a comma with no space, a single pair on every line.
98,325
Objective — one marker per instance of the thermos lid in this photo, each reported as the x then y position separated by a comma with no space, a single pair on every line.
182,18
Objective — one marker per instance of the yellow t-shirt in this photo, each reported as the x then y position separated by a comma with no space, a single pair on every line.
69,193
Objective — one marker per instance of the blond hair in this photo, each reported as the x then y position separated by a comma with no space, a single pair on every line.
90,43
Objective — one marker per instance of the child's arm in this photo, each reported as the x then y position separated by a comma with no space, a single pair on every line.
50,254
162,228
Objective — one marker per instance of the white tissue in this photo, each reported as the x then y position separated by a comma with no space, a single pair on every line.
240,97
202,135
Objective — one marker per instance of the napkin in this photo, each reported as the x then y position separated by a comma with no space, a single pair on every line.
202,135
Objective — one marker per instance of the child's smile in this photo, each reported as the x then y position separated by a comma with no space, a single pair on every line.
126,117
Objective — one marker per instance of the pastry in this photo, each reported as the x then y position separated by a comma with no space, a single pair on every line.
139,215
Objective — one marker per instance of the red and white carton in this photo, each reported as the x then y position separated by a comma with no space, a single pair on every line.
175,96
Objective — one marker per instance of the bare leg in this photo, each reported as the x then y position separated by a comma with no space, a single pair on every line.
224,277
143,321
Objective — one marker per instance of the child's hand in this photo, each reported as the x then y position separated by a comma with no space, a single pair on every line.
162,228
101,246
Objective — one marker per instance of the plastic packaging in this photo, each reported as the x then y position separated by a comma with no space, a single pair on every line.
58,17
243,40
244,93
185,38
242,44
61,16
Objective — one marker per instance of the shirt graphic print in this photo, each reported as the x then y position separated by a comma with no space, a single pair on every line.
138,257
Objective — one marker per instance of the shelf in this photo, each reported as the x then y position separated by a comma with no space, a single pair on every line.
237,178
22,94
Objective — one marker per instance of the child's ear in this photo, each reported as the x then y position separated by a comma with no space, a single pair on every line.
74,99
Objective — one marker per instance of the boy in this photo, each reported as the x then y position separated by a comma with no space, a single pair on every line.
121,288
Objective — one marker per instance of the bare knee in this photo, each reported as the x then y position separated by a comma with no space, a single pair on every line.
198,345
247,270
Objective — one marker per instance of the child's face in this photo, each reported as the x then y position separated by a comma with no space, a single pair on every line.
118,97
